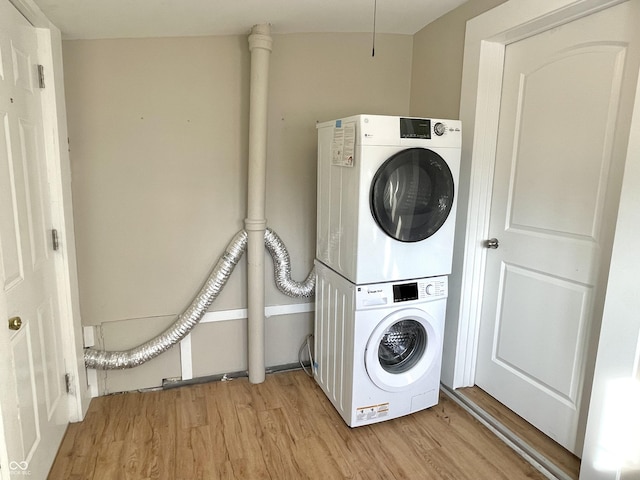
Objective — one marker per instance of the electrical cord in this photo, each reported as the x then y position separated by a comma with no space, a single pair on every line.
307,343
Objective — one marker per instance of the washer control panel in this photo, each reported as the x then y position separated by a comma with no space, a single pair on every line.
406,292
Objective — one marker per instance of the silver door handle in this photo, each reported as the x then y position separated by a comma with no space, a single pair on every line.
492,243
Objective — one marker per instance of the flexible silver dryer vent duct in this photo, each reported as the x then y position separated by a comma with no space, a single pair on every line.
103,360
282,269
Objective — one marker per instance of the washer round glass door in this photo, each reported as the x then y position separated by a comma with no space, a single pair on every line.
412,194
402,349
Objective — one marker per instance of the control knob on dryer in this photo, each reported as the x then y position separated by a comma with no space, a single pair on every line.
439,129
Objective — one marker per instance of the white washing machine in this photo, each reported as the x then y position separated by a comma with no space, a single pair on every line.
386,196
378,347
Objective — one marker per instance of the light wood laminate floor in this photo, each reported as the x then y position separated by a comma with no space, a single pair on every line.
562,458
284,428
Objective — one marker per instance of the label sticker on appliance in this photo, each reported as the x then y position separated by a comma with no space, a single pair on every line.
372,411
343,145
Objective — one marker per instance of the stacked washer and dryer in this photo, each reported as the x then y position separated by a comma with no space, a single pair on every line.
386,218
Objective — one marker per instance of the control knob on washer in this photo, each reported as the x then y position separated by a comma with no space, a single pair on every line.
439,129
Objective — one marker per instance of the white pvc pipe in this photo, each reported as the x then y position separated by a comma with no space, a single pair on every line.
255,224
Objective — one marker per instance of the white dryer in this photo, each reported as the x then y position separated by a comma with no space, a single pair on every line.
378,347
387,196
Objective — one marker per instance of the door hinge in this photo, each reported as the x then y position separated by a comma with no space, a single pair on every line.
55,241
41,76
67,382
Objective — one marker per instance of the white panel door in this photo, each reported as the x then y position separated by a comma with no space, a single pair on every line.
33,402
562,135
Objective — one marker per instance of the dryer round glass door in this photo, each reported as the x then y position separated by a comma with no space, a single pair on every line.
412,194
402,349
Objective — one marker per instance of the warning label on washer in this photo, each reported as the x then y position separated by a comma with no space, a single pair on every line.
343,145
372,411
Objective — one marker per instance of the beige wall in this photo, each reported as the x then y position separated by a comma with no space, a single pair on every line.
436,76
158,139
436,82
158,143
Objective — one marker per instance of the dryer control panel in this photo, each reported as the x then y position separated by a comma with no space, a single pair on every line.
406,292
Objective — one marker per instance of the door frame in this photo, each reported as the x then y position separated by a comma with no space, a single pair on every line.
57,155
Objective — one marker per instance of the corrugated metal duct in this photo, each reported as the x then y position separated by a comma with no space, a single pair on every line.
114,360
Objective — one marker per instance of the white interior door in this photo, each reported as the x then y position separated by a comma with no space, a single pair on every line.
33,406
562,136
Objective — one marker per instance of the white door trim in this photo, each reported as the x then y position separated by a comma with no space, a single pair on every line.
485,42
55,125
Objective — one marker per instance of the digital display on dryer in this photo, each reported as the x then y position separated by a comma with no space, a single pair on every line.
405,292
415,128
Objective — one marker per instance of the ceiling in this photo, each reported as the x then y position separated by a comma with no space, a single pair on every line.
88,19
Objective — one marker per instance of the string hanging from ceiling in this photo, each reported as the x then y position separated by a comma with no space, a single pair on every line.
373,40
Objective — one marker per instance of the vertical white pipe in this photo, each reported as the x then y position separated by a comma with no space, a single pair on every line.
260,46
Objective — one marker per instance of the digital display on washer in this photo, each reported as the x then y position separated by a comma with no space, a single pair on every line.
405,292
415,128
